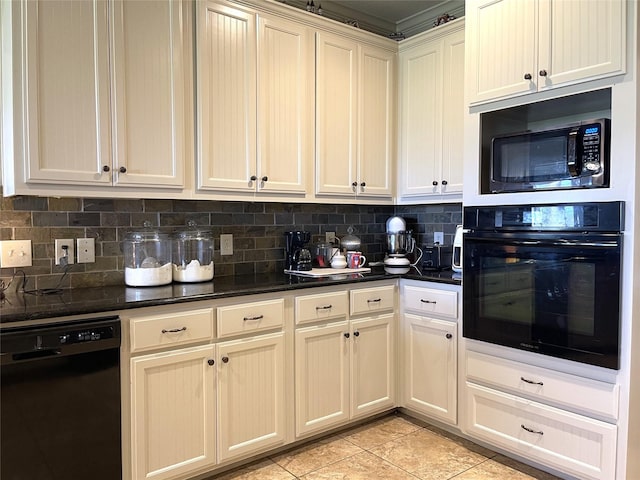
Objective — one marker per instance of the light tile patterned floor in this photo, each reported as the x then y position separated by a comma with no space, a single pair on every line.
395,448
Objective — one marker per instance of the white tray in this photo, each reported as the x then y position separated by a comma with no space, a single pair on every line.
325,272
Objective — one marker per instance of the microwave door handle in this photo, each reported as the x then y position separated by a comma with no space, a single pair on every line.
573,156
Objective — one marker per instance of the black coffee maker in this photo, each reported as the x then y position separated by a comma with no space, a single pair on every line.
297,256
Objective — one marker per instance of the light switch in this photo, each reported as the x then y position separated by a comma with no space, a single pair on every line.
15,253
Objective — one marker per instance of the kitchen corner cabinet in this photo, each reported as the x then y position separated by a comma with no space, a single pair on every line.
432,112
344,367
85,111
355,112
516,48
255,108
429,326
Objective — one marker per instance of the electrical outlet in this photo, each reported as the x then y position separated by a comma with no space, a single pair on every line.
438,237
15,253
65,253
330,237
86,250
226,244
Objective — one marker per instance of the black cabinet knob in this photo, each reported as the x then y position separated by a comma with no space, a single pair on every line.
346,335
106,168
543,73
225,359
356,333
253,178
354,184
363,184
265,178
444,182
434,183
527,76
122,170
211,361
449,336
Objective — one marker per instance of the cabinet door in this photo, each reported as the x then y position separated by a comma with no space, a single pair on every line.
372,365
452,113
581,40
322,377
226,90
336,114
376,120
501,44
431,367
420,125
66,90
251,407
173,412
149,117
285,105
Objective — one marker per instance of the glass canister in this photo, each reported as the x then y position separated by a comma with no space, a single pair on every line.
147,258
192,254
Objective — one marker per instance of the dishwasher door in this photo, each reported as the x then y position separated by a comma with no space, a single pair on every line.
60,401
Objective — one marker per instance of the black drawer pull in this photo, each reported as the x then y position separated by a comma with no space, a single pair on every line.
530,430
174,330
375,300
325,307
531,381
428,301
249,319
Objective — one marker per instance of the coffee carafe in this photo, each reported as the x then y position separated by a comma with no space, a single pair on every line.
298,257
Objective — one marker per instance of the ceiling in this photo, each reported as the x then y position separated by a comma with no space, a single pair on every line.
386,17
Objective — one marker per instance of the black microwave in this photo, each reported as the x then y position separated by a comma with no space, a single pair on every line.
572,156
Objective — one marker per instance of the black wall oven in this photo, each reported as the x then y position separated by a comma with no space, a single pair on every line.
545,278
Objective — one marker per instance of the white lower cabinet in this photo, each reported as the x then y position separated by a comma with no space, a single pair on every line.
564,421
173,405
345,368
251,385
430,345
572,443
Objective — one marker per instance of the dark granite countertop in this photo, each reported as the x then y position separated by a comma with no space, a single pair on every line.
20,307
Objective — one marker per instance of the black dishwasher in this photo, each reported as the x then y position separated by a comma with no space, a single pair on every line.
60,401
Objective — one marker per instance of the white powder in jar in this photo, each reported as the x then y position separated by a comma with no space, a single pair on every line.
148,277
193,272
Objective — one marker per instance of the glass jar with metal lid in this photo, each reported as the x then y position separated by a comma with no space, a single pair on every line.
147,257
192,254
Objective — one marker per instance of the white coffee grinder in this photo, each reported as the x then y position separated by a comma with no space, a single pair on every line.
400,244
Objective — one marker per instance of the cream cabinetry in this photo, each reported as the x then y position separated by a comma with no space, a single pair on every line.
197,402
355,112
84,110
516,48
430,338
431,112
561,420
255,108
344,366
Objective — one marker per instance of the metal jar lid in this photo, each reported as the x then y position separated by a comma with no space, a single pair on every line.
350,241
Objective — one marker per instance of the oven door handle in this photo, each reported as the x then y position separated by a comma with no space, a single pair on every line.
559,242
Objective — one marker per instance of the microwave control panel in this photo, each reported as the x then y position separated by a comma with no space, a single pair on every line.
591,149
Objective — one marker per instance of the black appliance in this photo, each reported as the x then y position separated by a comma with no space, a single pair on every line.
298,257
436,257
573,156
545,278
60,401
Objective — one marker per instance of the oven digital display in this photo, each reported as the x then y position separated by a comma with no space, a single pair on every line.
563,216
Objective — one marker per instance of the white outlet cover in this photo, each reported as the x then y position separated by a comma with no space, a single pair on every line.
86,250
15,253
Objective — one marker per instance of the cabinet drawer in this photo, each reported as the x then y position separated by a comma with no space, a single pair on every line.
569,442
324,306
372,300
566,391
429,301
180,328
250,317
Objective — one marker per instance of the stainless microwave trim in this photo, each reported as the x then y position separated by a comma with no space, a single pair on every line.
575,176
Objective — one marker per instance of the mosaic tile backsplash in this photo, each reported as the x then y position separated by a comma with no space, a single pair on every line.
257,229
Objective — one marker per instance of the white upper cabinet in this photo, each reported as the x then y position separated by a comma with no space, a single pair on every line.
355,89
103,87
255,101
516,47
431,113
